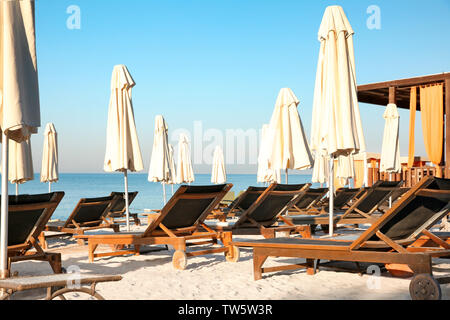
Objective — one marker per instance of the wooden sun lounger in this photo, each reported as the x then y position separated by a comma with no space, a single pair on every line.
117,212
241,203
88,214
178,224
309,202
387,241
364,209
28,215
264,206
57,284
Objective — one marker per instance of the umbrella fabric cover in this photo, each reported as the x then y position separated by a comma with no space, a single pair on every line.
288,146
390,151
20,162
265,173
172,165
218,174
336,123
160,165
122,144
185,173
49,166
19,90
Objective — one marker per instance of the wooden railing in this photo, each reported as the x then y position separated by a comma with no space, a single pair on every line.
409,176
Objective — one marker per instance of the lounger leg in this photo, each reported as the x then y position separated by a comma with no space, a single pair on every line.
310,270
91,249
137,249
80,242
258,261
55,262
268,233
304,231
42,240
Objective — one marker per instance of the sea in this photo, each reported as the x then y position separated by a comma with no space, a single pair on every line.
150,194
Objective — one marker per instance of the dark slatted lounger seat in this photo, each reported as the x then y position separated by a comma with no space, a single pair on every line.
263,208
117,212
88,214
363,210
387,241
310,202
178,223
27,216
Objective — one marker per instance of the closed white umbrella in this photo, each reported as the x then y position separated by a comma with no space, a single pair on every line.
336,122
218,174
172,166
20,163
288,146
159,170
122,145
185,173
19,93
265,174
390,150
49,166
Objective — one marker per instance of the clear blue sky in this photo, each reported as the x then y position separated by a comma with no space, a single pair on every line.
219,61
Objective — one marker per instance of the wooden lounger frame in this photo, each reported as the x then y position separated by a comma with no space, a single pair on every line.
23,251
71,227
386,250
119,216
269,228
348,217
314,206
157,234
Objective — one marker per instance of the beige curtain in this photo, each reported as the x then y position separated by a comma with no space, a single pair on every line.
412,123
359,173
432,108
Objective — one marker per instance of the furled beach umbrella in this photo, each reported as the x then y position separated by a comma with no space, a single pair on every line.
185,173
288,146
159,170
49,167
218,174
265,174
19,92
20,163
336,122
390,150
122,145
172,167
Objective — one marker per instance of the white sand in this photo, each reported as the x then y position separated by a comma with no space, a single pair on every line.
151,276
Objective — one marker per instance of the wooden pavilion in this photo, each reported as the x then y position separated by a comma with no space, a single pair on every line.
398,92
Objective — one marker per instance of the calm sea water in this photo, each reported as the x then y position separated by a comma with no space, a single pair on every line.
77,186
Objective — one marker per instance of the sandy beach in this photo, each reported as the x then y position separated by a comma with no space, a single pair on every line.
150,276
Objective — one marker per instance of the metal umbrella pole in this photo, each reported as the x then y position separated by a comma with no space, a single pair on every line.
127,210
4,211
331,195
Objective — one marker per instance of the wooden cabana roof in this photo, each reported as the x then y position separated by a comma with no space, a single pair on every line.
379,93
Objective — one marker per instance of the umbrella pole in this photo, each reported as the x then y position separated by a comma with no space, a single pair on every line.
172,188
17,189
286,176
331,195
125,178
49,187
4,211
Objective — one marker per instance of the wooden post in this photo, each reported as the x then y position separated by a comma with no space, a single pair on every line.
447,127
393,95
